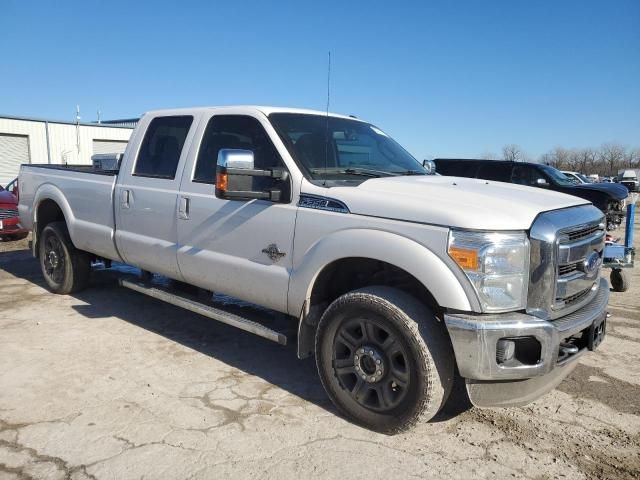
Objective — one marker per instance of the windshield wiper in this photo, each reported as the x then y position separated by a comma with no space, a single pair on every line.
362,172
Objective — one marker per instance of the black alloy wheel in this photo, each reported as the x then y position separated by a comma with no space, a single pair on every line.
371,363
384,359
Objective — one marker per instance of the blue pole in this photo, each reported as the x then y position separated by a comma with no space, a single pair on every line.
628,238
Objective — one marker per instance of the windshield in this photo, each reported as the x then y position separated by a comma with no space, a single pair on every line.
331,148
556,176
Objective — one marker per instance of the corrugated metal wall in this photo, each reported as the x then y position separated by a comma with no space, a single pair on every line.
14,150
63,140
68,143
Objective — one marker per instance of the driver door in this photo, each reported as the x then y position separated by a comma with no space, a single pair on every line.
241,248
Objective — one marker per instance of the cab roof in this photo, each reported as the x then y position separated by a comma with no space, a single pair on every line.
239,109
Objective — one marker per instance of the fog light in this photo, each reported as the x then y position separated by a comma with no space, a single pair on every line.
505,349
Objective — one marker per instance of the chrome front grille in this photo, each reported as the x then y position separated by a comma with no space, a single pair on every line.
576,297
566,269
563,266
575,277
8,213
583,232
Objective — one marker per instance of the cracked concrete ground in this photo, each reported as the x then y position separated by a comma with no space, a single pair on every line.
110,384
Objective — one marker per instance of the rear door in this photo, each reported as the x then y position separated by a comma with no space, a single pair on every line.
241,248
147,193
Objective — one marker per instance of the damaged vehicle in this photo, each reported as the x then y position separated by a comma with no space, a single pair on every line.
608,197
394,279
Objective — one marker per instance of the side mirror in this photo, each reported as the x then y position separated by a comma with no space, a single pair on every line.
234,177
429,167
541,182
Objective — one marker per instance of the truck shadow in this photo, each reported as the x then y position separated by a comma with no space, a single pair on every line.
253,355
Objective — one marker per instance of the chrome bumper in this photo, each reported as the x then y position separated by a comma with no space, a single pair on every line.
475,338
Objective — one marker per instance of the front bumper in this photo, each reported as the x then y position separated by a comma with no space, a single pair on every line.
475,339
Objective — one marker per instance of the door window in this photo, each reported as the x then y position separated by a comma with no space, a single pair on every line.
236,132
162,145
526,175
457,168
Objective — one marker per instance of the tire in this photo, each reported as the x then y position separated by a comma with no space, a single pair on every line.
619,280
386,327
65,268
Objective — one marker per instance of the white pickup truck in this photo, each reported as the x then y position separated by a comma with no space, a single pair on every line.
397,280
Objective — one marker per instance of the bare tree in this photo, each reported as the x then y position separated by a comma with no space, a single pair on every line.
547,159
559,158
513,153
612,155
605,160
632,158
585,160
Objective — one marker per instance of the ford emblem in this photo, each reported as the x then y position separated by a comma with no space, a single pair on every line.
592,264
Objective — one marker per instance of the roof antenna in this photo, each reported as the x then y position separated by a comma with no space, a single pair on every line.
326,132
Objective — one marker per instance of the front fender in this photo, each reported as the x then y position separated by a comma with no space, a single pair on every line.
397,250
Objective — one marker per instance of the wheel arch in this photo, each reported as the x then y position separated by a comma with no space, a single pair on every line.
49,206
322,276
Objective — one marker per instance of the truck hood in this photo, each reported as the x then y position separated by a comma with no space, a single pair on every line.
617,192
7,197
452,201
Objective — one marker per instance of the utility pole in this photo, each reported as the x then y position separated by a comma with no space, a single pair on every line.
78,131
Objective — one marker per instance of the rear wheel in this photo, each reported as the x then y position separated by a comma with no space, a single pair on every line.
383,359
65,268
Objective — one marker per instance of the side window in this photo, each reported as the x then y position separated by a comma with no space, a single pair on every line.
238,132
161,147
498,172
525,175
457,168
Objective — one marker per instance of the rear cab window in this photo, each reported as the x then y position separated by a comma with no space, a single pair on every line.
162,146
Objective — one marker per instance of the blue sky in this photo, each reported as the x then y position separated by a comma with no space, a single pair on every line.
444,78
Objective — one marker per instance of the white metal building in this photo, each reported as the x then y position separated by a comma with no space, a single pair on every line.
34,140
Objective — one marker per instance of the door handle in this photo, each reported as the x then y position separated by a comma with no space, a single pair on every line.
126,196
183,208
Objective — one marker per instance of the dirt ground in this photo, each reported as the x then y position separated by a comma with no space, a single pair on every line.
110,384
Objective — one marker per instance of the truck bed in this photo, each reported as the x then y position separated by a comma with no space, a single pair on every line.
85,195
74,168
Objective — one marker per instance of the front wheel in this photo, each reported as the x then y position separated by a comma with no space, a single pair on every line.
65,268
383,359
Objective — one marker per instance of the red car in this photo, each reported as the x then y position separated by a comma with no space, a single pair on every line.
10,226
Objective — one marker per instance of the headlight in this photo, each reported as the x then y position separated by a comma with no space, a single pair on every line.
497,265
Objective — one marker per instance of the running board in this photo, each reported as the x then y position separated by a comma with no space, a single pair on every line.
207,311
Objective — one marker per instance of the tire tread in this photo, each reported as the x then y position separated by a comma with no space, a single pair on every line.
427,336
80,271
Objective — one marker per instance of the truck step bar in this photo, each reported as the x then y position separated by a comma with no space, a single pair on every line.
209,311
